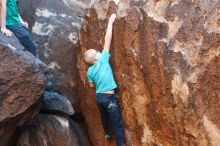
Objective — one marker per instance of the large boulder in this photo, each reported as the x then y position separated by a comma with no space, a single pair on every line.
21,87
165,58
55,26
56,103
52,130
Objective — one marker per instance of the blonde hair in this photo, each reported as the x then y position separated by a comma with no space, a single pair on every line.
89,56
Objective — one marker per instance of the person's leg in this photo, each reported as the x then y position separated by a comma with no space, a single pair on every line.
24,37
104,115
105,120
115,116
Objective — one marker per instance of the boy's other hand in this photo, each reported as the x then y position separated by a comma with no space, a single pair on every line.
91,85
25,24
6,32
112,18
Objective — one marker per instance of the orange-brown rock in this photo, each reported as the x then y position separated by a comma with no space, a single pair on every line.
165,57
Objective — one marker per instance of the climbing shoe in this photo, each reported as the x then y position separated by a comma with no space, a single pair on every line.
108,136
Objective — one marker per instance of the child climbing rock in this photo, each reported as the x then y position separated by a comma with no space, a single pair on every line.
12,23
100,75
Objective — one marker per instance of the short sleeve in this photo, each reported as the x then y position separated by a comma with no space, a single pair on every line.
104,56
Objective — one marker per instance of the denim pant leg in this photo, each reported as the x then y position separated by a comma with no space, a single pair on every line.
104,115
105,119
24,37
115,116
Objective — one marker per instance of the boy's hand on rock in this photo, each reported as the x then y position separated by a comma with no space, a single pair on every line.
6,32
112,18
116,2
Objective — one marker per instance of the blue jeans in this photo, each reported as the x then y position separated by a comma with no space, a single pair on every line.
110,111
24,37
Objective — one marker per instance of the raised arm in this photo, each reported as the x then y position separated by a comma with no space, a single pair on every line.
4,30
108,35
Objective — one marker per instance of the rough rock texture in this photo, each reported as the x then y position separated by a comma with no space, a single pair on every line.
56,103
165,56
21,87
52,130
55,28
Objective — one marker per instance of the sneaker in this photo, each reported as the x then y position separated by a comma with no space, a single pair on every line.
108,136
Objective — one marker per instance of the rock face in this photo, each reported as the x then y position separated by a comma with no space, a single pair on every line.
52,126
165,56
21,87
52,130
55,28
56,103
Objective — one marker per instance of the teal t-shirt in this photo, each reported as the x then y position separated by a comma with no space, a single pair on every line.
101,74
12,13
